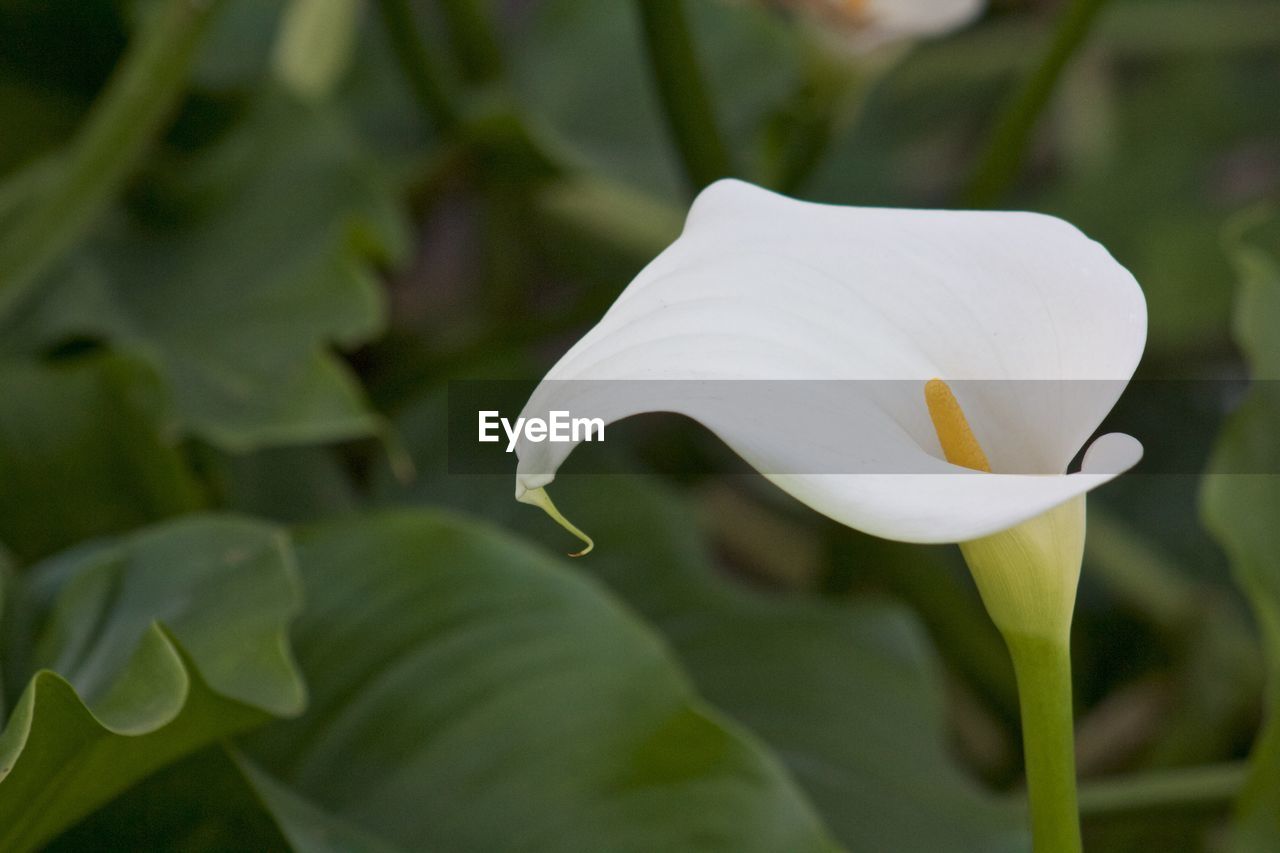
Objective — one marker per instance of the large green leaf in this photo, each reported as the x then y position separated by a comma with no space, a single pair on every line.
470,693
236,271
1241,503
87,447
149,647
849,696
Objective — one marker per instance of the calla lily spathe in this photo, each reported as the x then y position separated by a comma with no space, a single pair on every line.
762,287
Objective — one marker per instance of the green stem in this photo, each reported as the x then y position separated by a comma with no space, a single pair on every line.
476,47
123,122
683,92
1001,161
1212,785
419,68
1043,670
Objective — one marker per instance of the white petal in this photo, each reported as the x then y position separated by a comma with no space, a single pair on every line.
961,505
937,508
1013,309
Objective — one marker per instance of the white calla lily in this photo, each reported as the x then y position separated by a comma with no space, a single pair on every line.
860,321
1037,327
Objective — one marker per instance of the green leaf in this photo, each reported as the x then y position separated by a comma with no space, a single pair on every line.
87,447
849,696
151,647
469,693
246,263
1241,505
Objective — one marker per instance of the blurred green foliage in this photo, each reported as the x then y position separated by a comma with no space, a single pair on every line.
1242,511
267,287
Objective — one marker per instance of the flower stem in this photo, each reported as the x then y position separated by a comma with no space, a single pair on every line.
123,122
1043,669
420,70
683,92
477,49
1000,162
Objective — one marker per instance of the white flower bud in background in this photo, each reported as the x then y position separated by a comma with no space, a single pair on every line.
865,25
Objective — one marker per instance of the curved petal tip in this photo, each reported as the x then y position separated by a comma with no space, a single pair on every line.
1113,453
538,497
